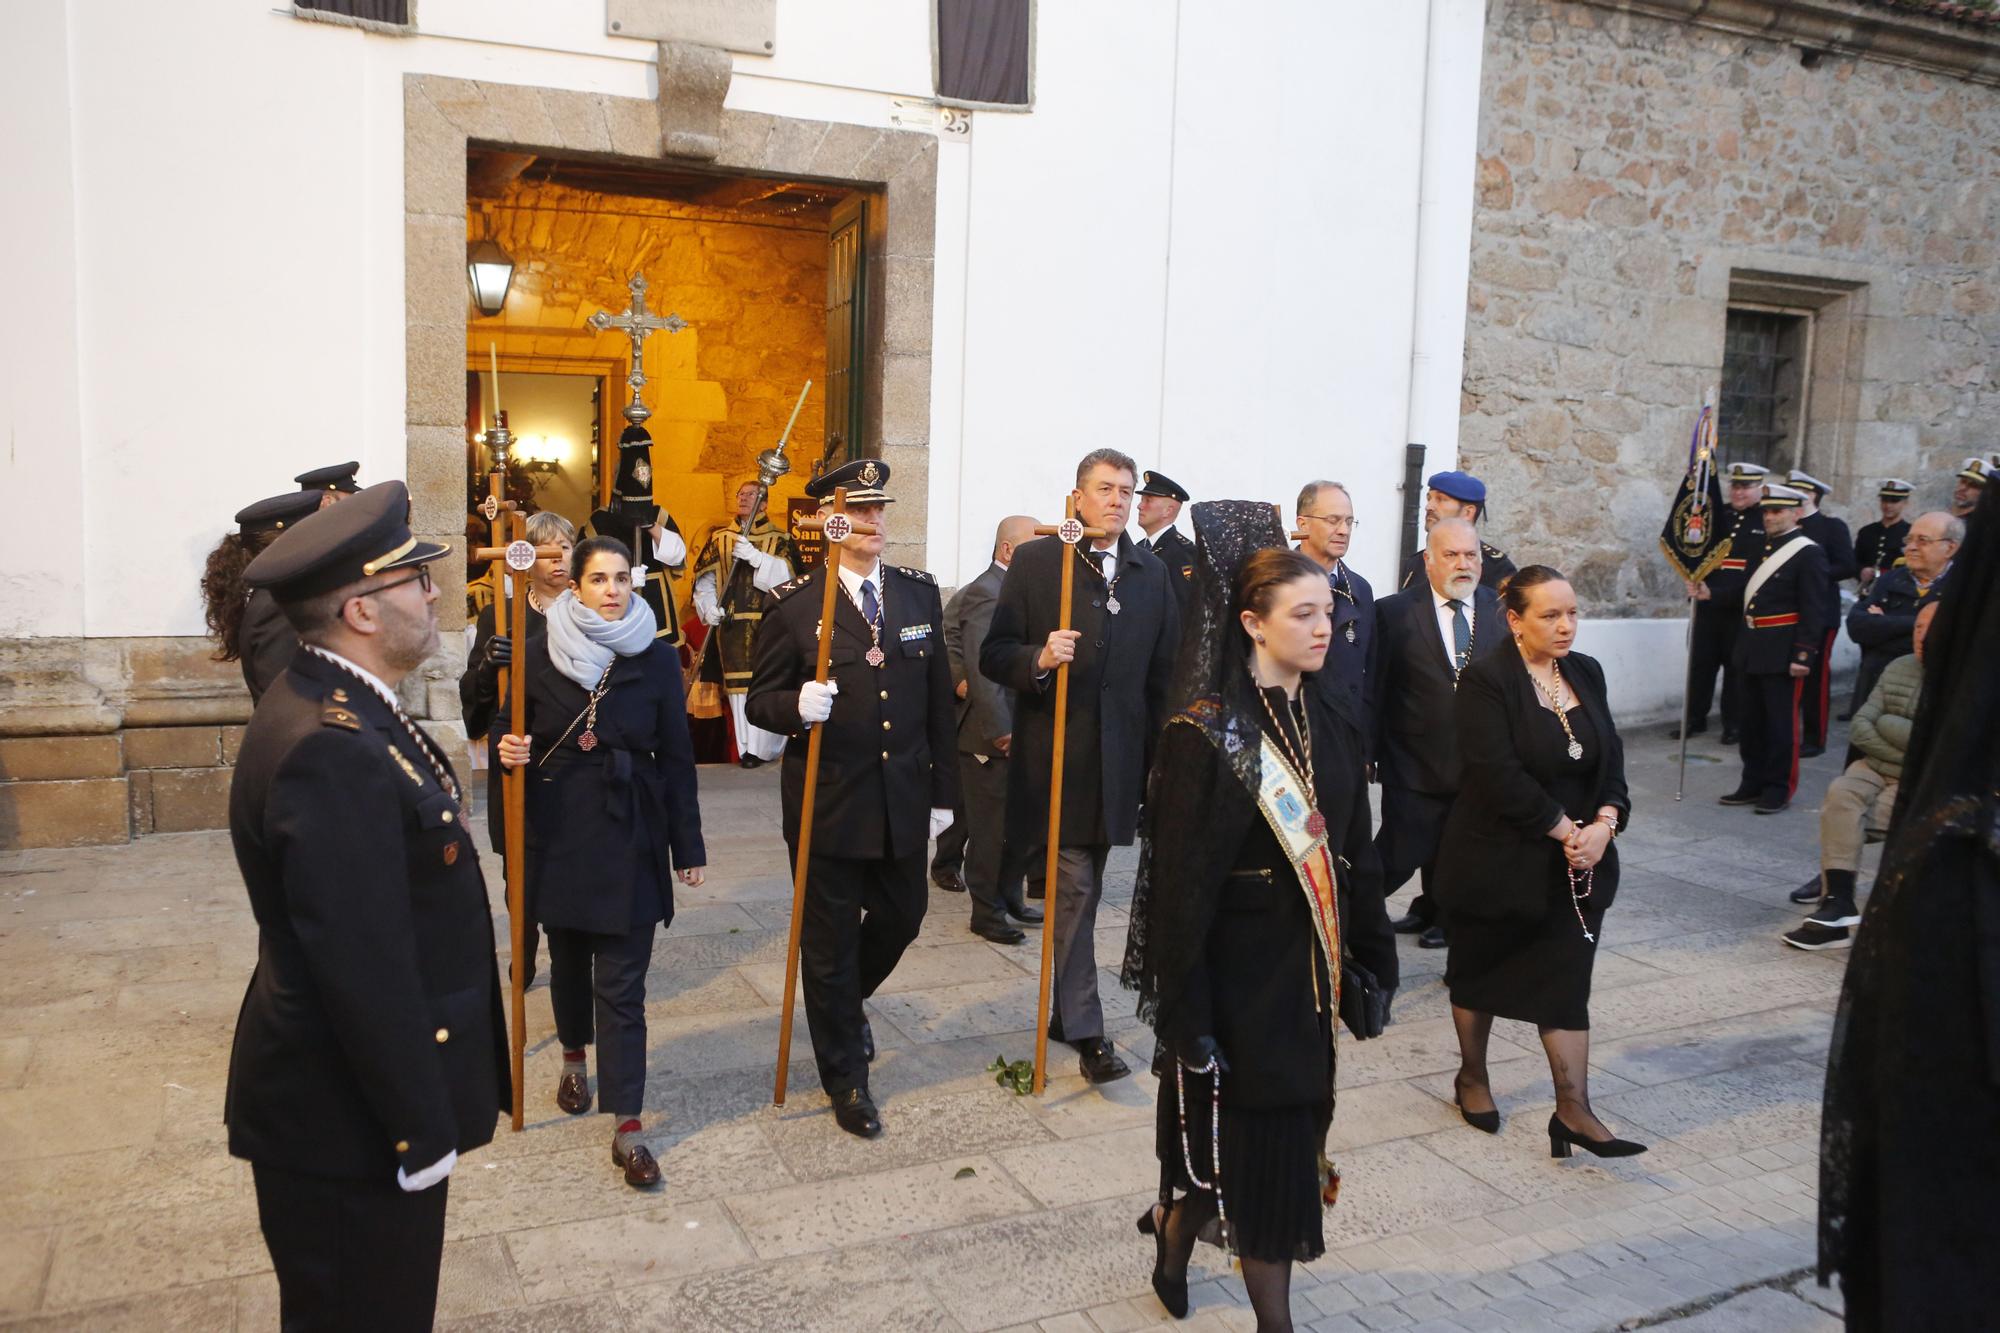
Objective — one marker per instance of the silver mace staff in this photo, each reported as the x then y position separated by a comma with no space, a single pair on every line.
771,465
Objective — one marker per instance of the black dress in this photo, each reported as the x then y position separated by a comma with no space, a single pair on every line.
1262,991
1538,971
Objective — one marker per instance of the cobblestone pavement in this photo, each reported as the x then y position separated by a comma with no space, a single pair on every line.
121,970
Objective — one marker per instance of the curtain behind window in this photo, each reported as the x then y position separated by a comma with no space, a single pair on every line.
983,51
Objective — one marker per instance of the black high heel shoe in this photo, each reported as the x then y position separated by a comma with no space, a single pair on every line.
1562,1138
1486,1122
1172,1293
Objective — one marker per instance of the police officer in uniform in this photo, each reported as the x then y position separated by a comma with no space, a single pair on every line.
332,483
647,530
1787,608
370,1050
1457,495
888,776
1968,485
1878,547
1718,605
1831,535
1160,498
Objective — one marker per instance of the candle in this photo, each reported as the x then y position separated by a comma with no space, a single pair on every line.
493,353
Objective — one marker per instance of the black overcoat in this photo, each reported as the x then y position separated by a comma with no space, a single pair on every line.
1410,688
268,642
1497,858
1117,689
371,1036
607,827
1343,681
1254,985
890,755
485,712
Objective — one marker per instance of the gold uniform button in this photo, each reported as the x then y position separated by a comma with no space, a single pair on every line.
402,1145
885,724
885,754
885,694
443,1035
447,816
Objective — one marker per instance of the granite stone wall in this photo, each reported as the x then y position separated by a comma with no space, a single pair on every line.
1635,176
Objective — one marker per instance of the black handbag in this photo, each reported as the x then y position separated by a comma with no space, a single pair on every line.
1364,1001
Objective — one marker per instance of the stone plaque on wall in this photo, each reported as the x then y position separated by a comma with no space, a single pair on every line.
733,25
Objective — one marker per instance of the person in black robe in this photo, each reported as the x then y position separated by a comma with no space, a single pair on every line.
1235,945
1909,1161
612,820
1528,869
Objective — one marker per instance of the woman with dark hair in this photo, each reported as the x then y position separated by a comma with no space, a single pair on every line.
246,626
1527,868
612,819
1257,803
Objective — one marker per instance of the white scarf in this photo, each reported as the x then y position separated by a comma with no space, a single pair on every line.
582,643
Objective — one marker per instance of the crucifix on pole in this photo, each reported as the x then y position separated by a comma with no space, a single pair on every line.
1070,531
637,323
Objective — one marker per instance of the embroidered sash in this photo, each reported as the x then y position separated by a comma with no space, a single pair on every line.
1287,802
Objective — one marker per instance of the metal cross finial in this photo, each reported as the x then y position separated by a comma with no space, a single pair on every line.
636,323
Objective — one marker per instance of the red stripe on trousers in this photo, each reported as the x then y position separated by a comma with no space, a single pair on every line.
1798,692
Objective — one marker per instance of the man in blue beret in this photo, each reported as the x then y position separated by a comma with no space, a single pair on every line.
1457,495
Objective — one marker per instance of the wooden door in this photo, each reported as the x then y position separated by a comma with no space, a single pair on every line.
846,307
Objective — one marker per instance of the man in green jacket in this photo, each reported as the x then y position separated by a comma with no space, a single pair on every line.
1859,801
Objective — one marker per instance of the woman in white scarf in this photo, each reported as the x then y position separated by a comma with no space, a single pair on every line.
612,820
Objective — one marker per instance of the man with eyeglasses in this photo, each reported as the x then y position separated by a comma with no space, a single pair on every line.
1882,622
370,1050
1456,495
1326,526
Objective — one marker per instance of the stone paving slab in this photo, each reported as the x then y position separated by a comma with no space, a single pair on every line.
121,969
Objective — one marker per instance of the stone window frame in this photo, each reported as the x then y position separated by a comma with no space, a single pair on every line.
442,116
1835,299
407,28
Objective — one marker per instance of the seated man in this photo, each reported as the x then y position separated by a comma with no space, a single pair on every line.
1859,801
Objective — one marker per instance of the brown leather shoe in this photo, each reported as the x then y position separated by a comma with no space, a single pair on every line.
573,1092
641,1171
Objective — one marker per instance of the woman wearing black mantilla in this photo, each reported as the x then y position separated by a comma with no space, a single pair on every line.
1256,801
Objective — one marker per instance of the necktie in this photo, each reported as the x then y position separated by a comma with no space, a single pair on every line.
1461,634
869,606
1144,543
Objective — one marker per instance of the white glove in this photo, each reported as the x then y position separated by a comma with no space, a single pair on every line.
816,701
429,1176
940,820
747,552
705,604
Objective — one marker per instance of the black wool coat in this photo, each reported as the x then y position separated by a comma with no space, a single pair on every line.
1410,688
890,755
1497,859
371,1036
268,642
485,711
1343,681
1117,689
1260,972
608,826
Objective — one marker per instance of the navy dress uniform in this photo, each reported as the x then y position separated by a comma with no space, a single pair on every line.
1833,538
265,639
1494,566
1172,546
370,1048
1788,608
335,479
889,757
1879,545
1718,618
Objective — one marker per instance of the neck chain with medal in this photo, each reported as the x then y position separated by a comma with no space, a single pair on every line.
1315,821
1558,700
875,657
1460,661
1110,585
1343,588
586,740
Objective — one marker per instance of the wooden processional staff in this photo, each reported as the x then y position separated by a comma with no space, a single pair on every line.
518,557
1071,531
837,527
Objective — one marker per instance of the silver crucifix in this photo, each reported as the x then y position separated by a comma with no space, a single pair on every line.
636,323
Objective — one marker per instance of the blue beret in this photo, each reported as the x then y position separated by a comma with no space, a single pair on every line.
1461,486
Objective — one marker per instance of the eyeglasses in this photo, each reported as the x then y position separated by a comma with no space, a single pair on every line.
1928,541
422,576
1336,523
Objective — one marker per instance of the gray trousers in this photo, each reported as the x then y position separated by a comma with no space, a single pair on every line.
1858,802
1073,917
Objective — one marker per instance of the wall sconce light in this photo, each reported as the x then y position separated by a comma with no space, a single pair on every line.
492,273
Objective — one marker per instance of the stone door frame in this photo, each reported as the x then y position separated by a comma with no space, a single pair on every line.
443,116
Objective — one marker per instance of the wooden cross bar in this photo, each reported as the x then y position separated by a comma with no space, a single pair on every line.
515,560
1293,536
1070,531
837,528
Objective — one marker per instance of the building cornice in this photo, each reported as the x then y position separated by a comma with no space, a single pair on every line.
1968,50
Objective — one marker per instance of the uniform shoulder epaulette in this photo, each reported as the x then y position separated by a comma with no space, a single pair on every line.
1490,549
920,575
336,713
784,590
